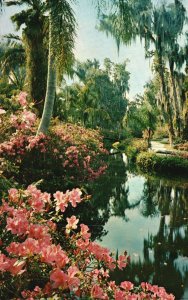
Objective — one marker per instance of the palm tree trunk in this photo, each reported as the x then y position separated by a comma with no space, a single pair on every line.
51,87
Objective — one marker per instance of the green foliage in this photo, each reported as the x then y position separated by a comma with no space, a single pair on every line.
160,27
98,98
5,185
132,147
142,113
146,161
12,69
149,162
161,132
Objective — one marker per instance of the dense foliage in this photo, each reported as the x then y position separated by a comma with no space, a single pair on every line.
97,97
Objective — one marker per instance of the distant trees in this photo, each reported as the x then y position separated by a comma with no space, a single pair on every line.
98,99
141,118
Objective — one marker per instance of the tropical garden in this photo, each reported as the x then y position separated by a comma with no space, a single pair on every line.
93,182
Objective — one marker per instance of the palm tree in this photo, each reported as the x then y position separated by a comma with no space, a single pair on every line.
62,26
35,44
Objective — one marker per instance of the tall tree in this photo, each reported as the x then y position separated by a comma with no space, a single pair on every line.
34,34
62,26
153,25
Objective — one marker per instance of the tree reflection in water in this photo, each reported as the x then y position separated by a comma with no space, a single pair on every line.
161,198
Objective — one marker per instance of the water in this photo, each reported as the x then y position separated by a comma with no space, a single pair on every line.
148,217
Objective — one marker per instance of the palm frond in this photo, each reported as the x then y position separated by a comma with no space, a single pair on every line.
12,36
63,34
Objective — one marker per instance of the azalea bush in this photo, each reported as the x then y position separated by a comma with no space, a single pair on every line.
70,153
42,259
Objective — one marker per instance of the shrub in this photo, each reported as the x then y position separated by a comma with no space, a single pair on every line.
146,161
70,153
162,163
41,260
132,147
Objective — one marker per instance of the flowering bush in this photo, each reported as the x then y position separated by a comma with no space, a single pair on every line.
69,153
20,117
36,264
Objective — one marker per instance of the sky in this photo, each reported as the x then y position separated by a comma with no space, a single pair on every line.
90,44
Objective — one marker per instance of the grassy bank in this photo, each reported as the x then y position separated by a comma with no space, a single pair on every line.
151,162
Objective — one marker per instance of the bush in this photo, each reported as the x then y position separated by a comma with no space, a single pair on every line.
132,147
146,161
69,155
162,163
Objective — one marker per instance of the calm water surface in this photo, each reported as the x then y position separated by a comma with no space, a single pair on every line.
148,217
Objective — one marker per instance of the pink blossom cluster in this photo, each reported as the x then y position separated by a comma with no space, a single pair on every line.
76,265
84,159
62,199
20,144
77,152
25,120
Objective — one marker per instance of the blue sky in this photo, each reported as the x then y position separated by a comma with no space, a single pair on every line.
90,43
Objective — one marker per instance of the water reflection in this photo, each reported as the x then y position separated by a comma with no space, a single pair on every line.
148,217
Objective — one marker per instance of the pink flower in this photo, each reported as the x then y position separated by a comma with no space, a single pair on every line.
84,231
73,282
16,267
4,263
28,118
59,278
38,231
46,197
127,285
119,295
122,262
22,98
18,224
75,197
13,195
97,292
72,224
27,248
82,244
61,200
53,254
